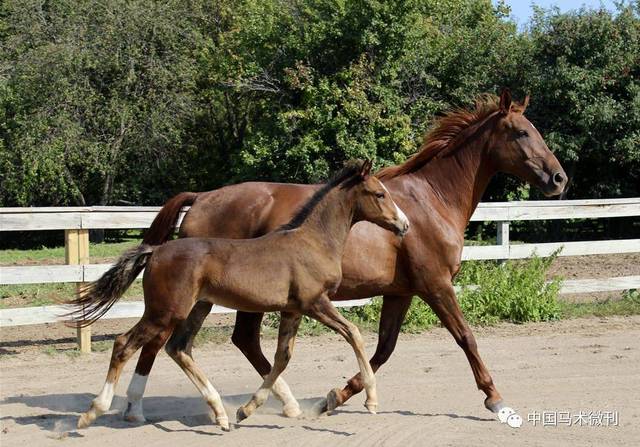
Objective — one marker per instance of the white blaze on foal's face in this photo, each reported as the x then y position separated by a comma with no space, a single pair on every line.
401,215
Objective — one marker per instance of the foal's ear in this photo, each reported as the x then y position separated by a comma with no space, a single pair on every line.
505,101
366,169
525,103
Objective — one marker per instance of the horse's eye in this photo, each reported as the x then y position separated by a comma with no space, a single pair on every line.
380,195
523,133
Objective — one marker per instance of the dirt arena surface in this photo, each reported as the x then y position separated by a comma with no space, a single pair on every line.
427,395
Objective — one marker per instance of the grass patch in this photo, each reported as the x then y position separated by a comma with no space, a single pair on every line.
27,295
102,345
213,334
71,353
628,305
46,255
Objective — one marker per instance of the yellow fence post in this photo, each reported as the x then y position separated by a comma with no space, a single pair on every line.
76,250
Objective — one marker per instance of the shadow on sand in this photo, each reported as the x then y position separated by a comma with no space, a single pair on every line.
60,413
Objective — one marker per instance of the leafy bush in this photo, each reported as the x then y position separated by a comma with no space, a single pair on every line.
513,291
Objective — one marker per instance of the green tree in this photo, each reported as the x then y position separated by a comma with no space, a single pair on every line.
91,91
584,79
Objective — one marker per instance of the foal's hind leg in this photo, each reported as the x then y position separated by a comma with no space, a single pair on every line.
289,323
124,347
177,350
134,412
325,312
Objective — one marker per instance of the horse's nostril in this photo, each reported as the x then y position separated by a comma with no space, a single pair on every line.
558,178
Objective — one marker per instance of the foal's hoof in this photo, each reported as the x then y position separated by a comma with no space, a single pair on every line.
86,419
373,408
224,423
333,400
241,415
292,410
493,406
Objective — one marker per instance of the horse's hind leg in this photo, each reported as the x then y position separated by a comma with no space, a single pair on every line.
134,412
179,350
124,347
289,323
325,312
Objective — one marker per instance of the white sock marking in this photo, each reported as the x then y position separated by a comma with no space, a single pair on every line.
103,402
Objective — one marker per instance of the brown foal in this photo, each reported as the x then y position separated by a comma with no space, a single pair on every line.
292,270
438,188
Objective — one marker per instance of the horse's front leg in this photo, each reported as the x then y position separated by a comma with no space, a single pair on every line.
289,323
394,310
444,303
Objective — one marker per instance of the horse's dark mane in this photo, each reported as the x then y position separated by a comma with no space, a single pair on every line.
344,177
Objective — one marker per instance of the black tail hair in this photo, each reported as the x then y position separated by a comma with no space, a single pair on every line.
95,299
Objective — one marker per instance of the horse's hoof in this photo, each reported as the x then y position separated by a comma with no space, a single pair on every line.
494,406
292,410
333,400
319,408
134,418
373,408
241,415
85,420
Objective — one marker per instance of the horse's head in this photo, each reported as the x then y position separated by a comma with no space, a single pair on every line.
517,148
375,204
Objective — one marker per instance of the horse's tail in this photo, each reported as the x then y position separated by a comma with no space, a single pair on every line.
162,226
96,298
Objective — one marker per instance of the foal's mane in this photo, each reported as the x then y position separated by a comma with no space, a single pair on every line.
448,134
344,177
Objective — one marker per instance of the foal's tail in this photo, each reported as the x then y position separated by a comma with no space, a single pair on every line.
96,298
162,226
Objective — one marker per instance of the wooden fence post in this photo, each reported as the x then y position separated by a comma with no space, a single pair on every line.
76,251
502,237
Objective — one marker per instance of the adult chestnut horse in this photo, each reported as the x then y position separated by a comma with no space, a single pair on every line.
438,188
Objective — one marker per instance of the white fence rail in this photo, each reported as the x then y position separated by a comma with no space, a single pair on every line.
76,221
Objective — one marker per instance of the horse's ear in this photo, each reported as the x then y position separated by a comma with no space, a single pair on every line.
505,101
525,103
366,169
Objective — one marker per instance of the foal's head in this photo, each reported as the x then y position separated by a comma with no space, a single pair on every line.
374,203
518,148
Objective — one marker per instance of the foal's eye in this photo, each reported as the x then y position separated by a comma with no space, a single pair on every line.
380,195
523,133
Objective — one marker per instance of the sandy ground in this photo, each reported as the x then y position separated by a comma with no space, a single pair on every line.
427,394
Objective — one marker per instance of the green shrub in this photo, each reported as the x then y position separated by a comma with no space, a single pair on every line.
512,291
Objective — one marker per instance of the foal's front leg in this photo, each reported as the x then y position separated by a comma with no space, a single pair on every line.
289,323
394,310
326,313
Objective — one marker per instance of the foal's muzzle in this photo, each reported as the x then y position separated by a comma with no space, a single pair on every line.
401,228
